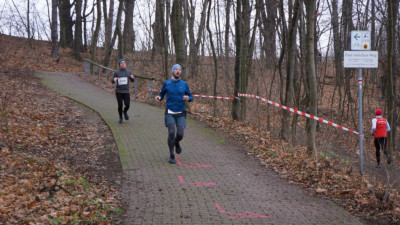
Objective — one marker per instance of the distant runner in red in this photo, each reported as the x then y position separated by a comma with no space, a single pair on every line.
380,127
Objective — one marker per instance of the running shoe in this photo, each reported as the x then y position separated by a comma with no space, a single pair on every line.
126,116
178,148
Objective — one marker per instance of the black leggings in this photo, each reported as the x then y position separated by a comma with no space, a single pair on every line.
380,142
126,99
172,139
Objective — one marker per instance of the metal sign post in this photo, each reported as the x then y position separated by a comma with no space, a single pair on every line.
360,57
361,134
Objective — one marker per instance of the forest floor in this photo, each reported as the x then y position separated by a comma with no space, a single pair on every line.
54,152
59,162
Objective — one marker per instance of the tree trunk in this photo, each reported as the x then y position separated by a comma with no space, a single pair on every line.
160,41
54,32
166,38
238,43
195,42
290,70
302,53
391,68
245,67
227,24
192,48
338,50
296,99
395,77
178,33
95,37
78,30
214,57
247,54
158,27
227,49
311,75
129,34
118,29
217,22
66,23
28,27
348,27
373,36
270,30
108,32
284,46
84,16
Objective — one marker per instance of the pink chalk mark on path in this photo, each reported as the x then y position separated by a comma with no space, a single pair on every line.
193,165
196,183
240,215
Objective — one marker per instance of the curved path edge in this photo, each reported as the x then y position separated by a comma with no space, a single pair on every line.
214,182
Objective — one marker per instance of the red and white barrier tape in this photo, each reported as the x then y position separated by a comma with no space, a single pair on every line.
216,97
277,105
298,112
202,96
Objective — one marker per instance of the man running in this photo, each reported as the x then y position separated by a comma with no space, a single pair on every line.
177,92
121,78
380,127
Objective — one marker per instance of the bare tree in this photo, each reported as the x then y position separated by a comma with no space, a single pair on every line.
238,43
338,50
116,34
95,36
245,36
28,22
118,30
249,34
66,23
84,16
283,40
269,30
311,75
54,32
129,33
290,68
347,10
78,30
158,27
178,33
373,34
21,19
108,20
160,31
227,25
194,43
214,57
227,48
392,9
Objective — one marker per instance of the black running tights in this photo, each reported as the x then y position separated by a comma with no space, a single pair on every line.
380,142
124,98
172,138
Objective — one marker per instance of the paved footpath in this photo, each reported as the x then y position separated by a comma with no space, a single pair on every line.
214,182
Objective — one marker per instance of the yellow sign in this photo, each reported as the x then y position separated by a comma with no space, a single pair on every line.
365,46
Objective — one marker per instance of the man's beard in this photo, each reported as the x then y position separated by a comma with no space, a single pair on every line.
176,77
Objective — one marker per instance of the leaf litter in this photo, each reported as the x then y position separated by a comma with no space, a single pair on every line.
56,166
